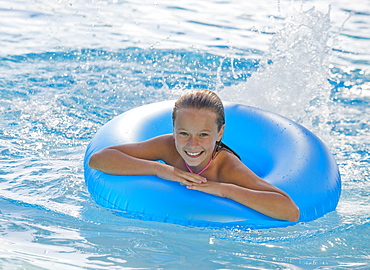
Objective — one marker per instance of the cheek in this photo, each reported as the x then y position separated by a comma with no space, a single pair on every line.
210,144
179,143
178,140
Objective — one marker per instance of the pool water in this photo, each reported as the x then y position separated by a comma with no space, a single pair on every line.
68,67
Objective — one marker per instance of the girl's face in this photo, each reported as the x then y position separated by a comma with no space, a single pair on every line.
195,133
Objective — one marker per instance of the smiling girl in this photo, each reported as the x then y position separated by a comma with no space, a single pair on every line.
195,156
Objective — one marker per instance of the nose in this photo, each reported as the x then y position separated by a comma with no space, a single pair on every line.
192,142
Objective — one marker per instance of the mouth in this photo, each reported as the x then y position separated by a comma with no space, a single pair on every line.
193,154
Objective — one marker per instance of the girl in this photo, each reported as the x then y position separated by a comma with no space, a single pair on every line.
195,156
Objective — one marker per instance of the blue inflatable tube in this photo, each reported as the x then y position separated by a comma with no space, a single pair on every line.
280,151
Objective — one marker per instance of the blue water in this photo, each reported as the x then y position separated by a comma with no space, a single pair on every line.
67,67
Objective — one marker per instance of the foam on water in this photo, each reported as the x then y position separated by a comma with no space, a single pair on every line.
292,77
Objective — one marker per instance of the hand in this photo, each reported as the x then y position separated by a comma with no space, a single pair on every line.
210,187
168,172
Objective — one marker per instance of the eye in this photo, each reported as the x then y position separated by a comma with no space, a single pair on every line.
183,133
203,135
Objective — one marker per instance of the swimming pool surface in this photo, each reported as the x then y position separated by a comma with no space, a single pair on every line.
68,67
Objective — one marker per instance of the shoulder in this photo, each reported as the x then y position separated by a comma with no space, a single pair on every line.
163,142
232,170
157,148
229,163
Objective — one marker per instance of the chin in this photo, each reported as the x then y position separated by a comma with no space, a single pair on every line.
194,162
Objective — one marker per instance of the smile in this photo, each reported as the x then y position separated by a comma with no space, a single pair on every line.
193,154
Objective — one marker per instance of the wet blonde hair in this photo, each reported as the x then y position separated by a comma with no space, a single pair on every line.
201,99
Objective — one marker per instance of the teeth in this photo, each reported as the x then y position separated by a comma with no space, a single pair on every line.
193,154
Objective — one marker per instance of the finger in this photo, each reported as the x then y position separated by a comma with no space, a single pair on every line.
192,182
195,187
185,181
187,177
195,178
188,182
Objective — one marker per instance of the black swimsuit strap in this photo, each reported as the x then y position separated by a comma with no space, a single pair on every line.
221,146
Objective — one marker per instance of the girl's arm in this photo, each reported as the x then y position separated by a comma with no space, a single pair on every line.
141,159
244,187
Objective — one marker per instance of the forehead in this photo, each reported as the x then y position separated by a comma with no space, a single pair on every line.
195,117
191,112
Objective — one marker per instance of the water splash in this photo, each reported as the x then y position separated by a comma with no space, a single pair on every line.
292,78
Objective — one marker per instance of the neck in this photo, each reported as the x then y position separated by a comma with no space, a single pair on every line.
205,168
